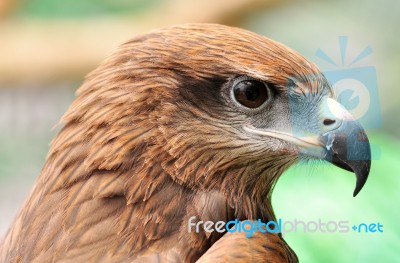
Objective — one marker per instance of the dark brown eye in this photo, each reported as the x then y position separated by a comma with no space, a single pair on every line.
250,93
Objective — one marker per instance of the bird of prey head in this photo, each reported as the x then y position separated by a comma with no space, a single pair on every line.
192,120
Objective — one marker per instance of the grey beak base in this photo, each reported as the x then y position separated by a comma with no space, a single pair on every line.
348,148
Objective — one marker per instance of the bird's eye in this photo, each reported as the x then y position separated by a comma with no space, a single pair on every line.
250,93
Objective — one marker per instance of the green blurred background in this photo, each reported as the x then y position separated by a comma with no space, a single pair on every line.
48,46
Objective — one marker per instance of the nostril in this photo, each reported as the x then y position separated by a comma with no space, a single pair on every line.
328,122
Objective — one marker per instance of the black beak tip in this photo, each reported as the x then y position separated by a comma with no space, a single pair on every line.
357,189
362,175
350,150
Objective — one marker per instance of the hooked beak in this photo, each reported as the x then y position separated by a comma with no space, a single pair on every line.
348,148
343,143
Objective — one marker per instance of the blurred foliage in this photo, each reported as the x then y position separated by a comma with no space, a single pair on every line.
82,9
326,193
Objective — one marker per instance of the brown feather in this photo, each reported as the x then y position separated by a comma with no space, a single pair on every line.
139,154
